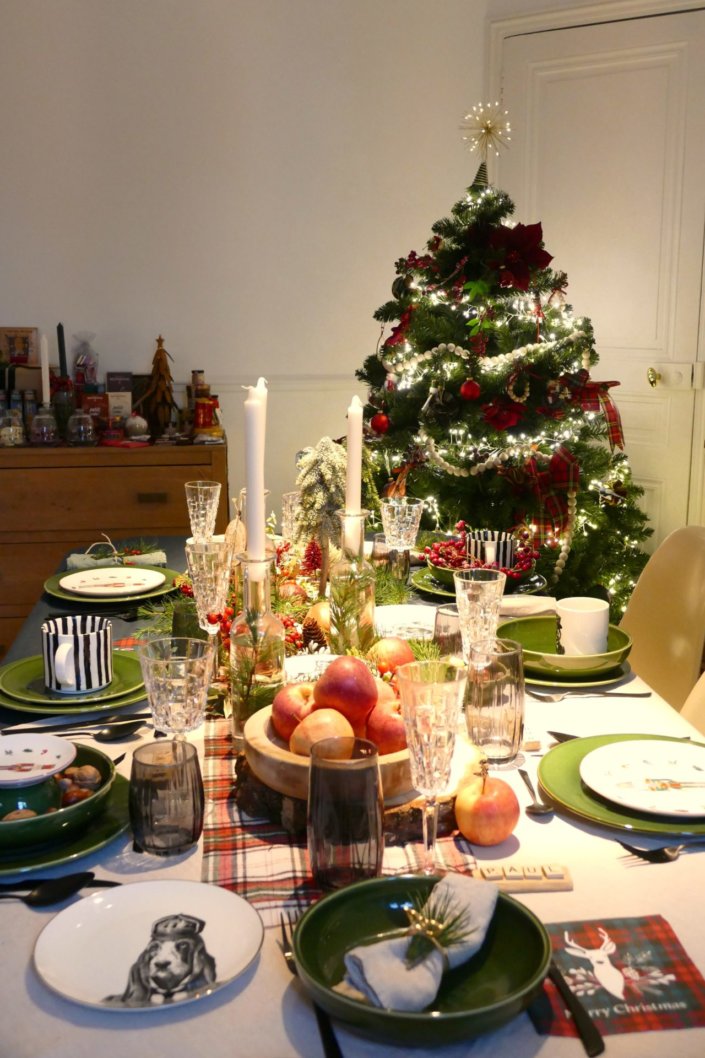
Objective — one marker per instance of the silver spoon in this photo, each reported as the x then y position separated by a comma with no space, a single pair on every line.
52,890
536,808
108,732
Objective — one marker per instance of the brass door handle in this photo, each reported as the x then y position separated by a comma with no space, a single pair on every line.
653,377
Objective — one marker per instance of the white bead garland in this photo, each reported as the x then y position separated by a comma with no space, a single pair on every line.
567,538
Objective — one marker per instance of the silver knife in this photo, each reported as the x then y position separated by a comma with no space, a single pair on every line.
48,729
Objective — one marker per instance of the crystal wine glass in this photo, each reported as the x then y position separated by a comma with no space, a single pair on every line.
478,593
177,673
209,566
401,518
431,695
202,499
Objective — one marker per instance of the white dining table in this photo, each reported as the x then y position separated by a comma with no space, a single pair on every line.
266,1013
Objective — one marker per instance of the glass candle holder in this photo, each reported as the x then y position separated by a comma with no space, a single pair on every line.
44,428
352,590
257,647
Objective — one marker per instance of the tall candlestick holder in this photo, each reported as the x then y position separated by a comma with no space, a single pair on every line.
352,589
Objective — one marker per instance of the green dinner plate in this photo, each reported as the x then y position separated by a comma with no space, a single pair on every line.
537,636
559,779
53,587
112,705
424,581
24,681
98,832
575,683
494,986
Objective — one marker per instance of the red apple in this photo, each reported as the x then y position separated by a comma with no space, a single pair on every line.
291,704
385,726
486,810
386,691
348,686
389,653
322,723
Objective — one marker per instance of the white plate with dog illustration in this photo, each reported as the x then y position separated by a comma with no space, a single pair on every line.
107,581
145,945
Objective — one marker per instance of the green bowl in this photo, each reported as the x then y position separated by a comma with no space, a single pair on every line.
531,584
537,636
62,824
41,797
490,989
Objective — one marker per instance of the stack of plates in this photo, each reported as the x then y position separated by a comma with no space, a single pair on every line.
644,784
22,688
110,583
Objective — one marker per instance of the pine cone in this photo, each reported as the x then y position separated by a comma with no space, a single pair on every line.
313,633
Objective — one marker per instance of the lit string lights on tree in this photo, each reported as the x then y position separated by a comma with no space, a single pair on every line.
481,398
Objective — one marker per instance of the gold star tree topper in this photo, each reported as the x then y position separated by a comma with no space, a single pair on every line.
486,129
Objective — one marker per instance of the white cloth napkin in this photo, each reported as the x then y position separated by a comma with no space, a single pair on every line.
379,971
81,560
526,605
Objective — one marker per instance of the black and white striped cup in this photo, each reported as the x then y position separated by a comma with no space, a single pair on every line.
78,653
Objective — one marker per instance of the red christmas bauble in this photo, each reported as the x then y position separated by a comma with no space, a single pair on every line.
380,422
470,389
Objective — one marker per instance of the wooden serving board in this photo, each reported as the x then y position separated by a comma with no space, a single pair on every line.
287,773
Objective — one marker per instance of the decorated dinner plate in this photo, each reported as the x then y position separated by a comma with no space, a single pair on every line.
23,680
659,777
52,586
98,832
146,944
606,679
488,990
559,779
300,668
29,759
108,581
406,620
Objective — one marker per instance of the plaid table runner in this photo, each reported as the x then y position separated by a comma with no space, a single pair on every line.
259,860
632,975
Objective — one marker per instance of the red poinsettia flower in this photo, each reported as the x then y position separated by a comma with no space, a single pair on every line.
502,414
519,253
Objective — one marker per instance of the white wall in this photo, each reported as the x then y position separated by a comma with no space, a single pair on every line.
238,175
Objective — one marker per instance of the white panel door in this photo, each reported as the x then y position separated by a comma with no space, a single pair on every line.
608,152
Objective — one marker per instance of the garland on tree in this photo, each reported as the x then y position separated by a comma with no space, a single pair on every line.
482,402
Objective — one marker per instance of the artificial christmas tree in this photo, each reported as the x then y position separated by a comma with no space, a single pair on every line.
482,402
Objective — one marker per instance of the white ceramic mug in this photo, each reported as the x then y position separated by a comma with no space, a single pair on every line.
78,653
583,624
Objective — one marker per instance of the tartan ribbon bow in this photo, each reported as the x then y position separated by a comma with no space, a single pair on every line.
594,396
551,484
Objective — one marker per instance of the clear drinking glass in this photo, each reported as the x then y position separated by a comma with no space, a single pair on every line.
166,799
478,593
291,504
209,569
495,711
446,630
345,812
431,695
202,499
400,520
177,673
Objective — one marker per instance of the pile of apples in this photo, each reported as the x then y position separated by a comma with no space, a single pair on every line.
346,700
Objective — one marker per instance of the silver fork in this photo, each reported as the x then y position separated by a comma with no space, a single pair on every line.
666,854
548,696
331,1047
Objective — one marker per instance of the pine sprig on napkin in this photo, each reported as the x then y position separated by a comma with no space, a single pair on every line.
436,923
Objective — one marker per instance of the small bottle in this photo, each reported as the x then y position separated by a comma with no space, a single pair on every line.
30,409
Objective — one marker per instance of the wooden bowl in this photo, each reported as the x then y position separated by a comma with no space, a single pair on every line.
287,773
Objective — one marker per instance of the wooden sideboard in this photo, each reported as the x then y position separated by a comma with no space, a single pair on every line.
53,500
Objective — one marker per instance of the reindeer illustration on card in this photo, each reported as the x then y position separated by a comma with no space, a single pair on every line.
638,975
